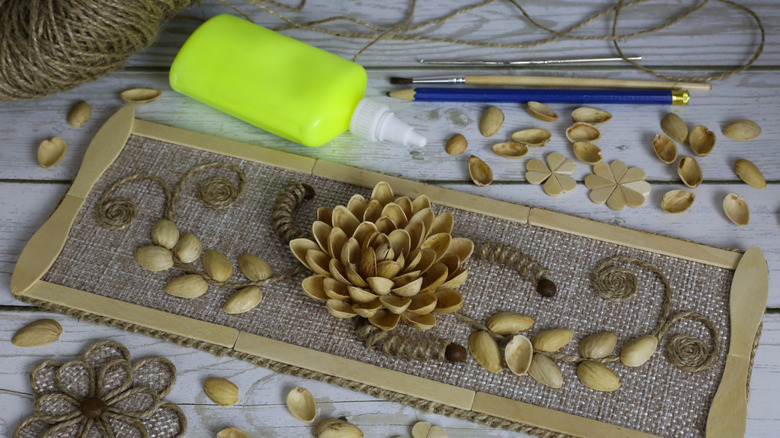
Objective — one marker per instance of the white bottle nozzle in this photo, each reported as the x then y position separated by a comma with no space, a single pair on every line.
374,121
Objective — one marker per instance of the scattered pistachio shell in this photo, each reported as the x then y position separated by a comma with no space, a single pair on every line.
509,323
480,172
491,121
749,173
436,432
690,172
742,130
456,144
165,233
598,345
188,248
635,353
216,265
254,268
545,371
51,151
221,391
518,354
154,258
675,128
596,375
510,149
534,137
485,351
586,152
336,428
702,140
301,404
581,131
139,96
736,209
37,333
79,114
665,148
552,340
186,286
421,429
541,111
677,201
243,300
232,432
590,115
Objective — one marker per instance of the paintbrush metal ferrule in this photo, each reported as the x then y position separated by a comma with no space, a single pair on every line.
440,80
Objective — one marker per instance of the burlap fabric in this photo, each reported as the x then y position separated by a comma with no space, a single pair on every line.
657,398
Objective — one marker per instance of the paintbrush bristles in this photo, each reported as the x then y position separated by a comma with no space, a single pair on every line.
400,81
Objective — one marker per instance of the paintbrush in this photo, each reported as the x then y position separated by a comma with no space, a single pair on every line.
553,81
546,95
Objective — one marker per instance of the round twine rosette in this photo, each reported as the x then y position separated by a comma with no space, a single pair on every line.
385,259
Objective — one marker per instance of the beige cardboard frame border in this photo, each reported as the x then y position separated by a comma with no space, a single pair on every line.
45,245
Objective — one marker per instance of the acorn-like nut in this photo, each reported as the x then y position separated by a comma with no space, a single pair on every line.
635,353
244,300
79,114
154,258
596,375
217,266
165,233
491,121
188,248
545,371
37,333
221,391
485,351
186,286
509,323
598,345
254,268
336,428
456,144
552,340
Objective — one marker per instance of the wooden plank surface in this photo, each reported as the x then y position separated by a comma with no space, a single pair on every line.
715,38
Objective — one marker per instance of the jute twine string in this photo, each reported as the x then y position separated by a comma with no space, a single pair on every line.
400,346
500,253
49,46
283,211
119,213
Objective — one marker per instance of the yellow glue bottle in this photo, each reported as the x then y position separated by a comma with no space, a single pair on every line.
281,85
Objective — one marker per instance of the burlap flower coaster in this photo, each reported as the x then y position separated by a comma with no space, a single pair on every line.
102,394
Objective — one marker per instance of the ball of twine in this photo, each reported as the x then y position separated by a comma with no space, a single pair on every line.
217,192
49,46
687,353
613,283
117,213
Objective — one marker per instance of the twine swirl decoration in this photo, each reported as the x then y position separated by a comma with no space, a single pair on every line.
613,283
687,352
217,192
118,213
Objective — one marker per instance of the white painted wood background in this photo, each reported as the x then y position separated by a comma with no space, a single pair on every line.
717,37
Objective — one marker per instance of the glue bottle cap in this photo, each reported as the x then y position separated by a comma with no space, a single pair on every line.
374,121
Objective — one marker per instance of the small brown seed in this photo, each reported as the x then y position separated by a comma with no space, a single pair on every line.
546,288
456,144
491,121
79,114
37,333
455,353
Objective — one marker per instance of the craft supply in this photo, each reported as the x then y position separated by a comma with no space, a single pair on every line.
481,174
541,111
617,185
336,428
586,114
665,148
674,126
554,175
510,149
79,114
743,130
552,81
736,209
581,131
281,85
221,391
429,94
300,402
527,62
51,151
677,201
690,172
533,137
586,152
491,120
456,144
37,333
232,432
701,140
749,173
139,96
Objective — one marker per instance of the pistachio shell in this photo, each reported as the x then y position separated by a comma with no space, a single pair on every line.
480,172
590,115
677,201
702,140
736,209
665,148
582,132
598,345
243,300
216,265
491,121
456,144
586,152
596,375
485,351
518,354
552,340
79,114
421,429
336,428
301,404
534,137
510,149
742,130
139,96
749,173
186,286
232,432
188,248
340,309
541,111
675,128
154,258
221,391
385,320
51,151
420,322
165,233
448,301
37,333
690,172
545,371
635,353
509,323
254,268
395,304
